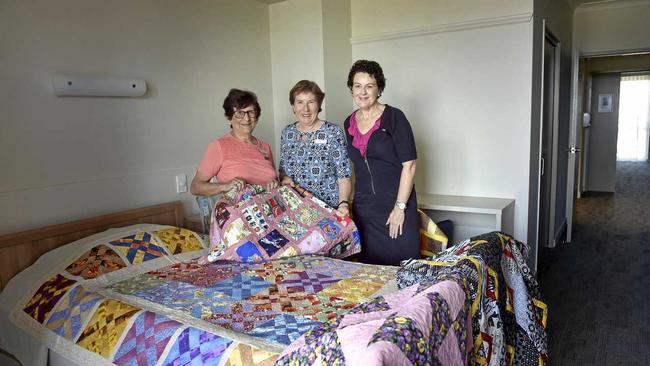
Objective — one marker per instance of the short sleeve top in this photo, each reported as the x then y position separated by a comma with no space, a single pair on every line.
227,158
393,143
316,160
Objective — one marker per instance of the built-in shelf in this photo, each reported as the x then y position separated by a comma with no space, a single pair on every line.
471,215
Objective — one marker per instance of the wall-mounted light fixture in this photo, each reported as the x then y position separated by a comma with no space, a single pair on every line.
97,86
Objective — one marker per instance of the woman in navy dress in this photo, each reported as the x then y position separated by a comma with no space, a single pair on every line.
382,148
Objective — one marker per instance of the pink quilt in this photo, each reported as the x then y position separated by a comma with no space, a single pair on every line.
418,325
257,225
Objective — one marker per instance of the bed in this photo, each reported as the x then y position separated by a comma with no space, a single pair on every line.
128,290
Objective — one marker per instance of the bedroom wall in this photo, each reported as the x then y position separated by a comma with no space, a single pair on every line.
313,45
68,158
296,54
461,71
613,28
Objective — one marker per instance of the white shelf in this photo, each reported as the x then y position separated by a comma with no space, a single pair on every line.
471,215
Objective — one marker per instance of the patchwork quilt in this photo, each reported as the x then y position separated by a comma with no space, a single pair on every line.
418,325
508,315
140,297
257,225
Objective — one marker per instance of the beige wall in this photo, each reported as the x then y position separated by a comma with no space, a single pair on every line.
316,46
296,54
337,52
466,90
67,158
613,29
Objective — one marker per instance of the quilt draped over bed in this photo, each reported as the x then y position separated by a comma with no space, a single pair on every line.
508,314
139,297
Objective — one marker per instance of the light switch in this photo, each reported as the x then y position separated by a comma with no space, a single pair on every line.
181,183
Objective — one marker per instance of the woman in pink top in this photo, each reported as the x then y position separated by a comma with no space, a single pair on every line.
237,157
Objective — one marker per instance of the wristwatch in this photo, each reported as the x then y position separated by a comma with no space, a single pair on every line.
401,205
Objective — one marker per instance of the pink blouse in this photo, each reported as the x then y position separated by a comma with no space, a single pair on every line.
360,140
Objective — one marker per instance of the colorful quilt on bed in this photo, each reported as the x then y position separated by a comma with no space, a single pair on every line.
508,314
141,298
418,325
257,225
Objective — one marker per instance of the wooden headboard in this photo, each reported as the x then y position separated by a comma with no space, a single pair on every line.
19,250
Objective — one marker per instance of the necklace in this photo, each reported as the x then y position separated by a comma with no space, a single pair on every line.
251,141
306,135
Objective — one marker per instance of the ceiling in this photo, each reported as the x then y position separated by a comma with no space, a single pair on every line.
576,3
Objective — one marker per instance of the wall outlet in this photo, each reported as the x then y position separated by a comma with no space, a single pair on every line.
181,183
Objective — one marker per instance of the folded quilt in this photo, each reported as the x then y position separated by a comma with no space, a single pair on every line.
256,225
508,314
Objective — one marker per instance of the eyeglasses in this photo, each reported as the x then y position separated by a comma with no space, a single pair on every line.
240,114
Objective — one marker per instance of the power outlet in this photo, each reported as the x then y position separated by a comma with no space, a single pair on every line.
181,183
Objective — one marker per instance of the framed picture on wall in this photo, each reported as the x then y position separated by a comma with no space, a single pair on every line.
604,103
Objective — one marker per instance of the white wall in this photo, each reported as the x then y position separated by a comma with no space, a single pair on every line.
68,158
337,52
615,28
381,16
466,90
296,54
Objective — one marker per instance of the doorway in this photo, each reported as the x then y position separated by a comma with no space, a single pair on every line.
624,132
633,118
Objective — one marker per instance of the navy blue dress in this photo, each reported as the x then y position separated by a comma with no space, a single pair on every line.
376,184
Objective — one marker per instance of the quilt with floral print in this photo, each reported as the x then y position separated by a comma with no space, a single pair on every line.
508,314
419,325
256,225
138,296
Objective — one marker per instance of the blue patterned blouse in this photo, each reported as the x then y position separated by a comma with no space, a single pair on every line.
316,160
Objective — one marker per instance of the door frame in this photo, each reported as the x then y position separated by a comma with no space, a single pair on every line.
580,170
551,239
572,164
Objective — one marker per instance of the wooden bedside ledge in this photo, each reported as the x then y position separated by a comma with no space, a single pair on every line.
193,222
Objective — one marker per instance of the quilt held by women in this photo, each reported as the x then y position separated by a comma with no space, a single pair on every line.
257,225
139,297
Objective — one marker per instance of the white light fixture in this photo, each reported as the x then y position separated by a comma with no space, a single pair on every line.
97,86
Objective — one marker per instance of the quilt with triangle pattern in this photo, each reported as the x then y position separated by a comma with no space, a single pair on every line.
138,296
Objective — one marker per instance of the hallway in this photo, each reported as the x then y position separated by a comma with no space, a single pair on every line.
597,288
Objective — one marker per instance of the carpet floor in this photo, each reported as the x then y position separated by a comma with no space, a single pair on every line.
597,287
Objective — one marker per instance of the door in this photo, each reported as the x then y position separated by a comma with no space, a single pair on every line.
548,142
601,167
573,150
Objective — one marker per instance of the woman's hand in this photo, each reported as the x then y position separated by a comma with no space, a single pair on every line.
237,184
287,181
272,184
395,222
343,209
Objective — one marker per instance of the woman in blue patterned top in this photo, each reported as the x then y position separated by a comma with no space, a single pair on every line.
313,152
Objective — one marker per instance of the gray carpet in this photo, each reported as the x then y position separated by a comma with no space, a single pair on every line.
598,287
